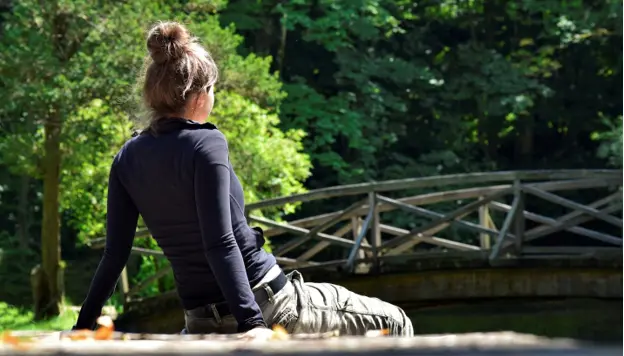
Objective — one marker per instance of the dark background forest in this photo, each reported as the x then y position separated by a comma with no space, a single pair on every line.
312,94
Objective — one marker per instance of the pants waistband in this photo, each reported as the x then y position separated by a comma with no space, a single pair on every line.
262,294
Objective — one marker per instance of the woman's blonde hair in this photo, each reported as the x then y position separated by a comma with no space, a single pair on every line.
177,67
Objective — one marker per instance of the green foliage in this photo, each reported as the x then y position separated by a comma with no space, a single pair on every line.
342,23
611,141
93,90
389,89
92,136
326,120
15,265
397,89
278,166
149,266
79,61
63,81
13,318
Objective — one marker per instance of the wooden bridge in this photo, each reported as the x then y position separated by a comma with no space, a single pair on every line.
519,234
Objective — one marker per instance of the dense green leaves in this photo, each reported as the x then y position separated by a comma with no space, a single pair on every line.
610,137
92,84
278,166
396,88
75,65
92,136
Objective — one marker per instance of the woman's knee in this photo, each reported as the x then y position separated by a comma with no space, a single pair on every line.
406,328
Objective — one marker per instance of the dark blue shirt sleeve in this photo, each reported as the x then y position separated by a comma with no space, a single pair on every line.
212,198
121,221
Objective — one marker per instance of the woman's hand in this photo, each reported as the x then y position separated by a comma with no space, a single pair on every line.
259,333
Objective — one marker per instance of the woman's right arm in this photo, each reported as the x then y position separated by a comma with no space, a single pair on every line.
212,199
121,221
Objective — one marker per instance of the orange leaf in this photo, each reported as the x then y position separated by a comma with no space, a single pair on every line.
105,321
103,333
106,329
9,339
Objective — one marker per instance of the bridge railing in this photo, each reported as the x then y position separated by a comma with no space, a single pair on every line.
509,239
374,244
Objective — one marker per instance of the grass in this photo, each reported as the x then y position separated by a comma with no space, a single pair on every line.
14,318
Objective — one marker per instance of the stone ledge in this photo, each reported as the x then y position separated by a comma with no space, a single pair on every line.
502,343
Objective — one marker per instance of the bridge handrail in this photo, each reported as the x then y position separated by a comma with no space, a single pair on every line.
433,181
410,183
450,195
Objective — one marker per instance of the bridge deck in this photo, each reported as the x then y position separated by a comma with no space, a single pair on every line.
502,343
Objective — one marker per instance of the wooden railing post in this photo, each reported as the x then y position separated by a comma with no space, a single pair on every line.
484,221
124,285
356,227
350,263
375,230
356,224
519,223
504,231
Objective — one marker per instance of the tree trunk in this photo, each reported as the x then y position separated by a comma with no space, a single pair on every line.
48,280
281,50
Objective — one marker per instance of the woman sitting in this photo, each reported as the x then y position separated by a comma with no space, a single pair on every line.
177,175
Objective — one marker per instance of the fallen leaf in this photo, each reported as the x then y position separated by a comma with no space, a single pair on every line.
7,338
13,341
106,329
105,321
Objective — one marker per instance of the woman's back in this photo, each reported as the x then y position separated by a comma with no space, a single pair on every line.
159,173
177,175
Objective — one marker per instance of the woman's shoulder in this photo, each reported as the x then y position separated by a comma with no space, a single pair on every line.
206,134
125,147
204,137
189,129
209,143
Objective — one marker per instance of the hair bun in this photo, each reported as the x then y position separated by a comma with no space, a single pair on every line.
167,41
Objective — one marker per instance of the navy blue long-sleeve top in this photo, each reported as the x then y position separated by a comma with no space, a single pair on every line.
181,182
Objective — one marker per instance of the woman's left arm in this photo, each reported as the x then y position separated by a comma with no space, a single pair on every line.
121,221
